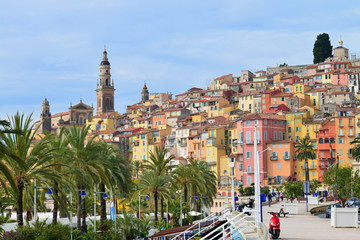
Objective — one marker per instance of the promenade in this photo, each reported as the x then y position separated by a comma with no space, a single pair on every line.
307,226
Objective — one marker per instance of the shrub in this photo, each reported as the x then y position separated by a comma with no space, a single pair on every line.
13,236
57,232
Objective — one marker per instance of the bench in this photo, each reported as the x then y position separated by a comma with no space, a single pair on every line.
301,199
282,212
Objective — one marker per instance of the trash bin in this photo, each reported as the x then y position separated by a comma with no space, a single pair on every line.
263,197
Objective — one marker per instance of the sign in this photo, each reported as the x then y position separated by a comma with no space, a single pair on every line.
306,188
112,211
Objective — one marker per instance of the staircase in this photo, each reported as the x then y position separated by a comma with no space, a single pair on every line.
214,220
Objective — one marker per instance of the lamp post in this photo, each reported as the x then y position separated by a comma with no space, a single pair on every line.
232,166
179,191
104,197
47,192
261,214
146,197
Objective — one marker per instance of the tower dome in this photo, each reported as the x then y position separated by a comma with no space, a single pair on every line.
104,60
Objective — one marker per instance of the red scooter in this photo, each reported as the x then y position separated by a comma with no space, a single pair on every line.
274,226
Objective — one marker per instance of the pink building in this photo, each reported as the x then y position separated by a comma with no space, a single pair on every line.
269,128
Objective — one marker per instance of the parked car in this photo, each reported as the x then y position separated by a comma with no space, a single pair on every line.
356,204
328,210
353,200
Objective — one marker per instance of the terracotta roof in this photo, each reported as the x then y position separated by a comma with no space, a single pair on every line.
339,92
223,76
257,116
317,90
59,114
107,131
282,94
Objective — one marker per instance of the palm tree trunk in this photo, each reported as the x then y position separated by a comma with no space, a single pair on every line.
162,208
84,227
19,209
156,206
28,215
102,209
62,210
55,210
79,208
185,193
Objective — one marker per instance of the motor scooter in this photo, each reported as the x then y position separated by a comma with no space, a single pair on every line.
246,207
274,226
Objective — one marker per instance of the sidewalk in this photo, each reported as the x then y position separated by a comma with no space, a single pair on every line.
308,226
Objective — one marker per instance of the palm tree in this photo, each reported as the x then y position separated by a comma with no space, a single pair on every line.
127,225
155,185
137,166
25,160
87,165
356,150
161,165
59,144
304,152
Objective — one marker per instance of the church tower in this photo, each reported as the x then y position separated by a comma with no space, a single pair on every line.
45,117
144,94
105,88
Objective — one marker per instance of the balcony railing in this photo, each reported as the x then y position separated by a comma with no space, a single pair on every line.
211,140
287,157
349,154
273,157
252,142
211,163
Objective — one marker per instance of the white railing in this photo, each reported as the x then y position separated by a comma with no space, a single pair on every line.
214,217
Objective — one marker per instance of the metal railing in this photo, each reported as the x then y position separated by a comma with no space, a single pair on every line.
196,230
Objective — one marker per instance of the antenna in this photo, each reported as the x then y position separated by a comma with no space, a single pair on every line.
104,47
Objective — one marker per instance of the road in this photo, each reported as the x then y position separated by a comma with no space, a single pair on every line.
308,227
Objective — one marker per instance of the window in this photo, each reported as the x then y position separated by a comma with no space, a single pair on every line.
265,135
279,166
340,141
248,180
313,173
341,132
340,122
275,135
286,145
332,140
280,145
350,132
273,146
289,129
297,129
248,139
248,154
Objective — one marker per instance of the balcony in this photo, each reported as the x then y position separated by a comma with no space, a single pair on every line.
211,163
273,157
349,154
341,125
286,157
136,144
211,141
310,167
252,142
169,146
182,143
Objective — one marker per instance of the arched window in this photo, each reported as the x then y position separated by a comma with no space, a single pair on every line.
321,140
107,103
107,82
326,140
332,140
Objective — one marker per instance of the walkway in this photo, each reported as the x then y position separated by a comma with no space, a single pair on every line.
308,227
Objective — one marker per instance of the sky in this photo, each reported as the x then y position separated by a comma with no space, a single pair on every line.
53,49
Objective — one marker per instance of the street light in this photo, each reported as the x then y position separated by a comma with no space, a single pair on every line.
179,191
104,196
146,197
47,192
261,214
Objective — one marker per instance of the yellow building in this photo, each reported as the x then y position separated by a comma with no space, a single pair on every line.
103,122
316,96
215,148
294,124
301,88
226,108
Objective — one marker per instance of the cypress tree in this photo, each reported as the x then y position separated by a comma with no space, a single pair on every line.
322,48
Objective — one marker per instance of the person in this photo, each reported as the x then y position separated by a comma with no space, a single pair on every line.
269,198
282,196
277,196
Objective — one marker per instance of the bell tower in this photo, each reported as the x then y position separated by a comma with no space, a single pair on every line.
144,94
45,117
105,88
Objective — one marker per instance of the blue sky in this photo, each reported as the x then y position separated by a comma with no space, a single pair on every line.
53,48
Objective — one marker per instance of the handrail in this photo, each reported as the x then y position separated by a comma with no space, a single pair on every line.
208,218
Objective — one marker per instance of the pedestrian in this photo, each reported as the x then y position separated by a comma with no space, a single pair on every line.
282,196
269,198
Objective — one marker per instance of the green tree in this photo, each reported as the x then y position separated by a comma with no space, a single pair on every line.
342,180
25,160
155,185
314,185
160,165
86,165
283,64
304,152
293,189
128,226
322,48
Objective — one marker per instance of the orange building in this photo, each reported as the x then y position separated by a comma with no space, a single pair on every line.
158,118
280,98
326,147
281,165
345,134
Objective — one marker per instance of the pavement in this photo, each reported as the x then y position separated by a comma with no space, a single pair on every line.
307,226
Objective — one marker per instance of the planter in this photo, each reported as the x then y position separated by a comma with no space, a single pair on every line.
344,217
313,200
292,208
